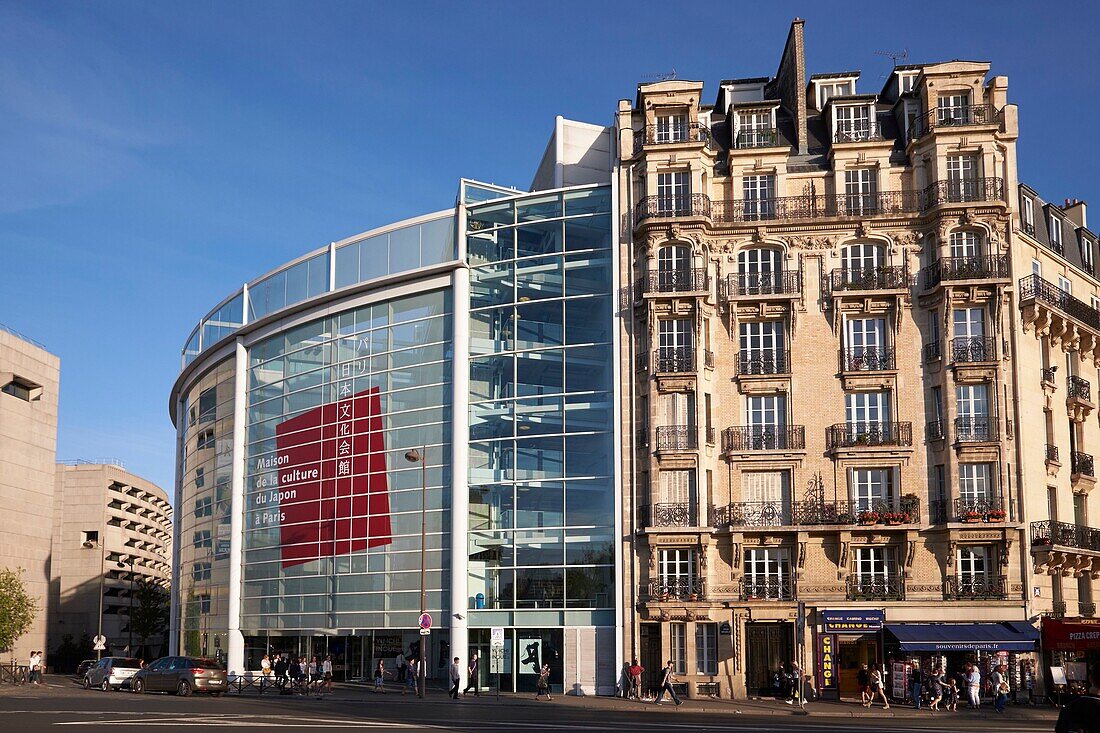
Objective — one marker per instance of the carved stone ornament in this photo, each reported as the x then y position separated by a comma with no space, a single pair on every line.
812,243
760,234
910,241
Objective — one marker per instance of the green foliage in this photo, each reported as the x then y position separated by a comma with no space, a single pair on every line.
152,607
17,608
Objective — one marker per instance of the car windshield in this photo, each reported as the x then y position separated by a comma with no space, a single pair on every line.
132,663
206,663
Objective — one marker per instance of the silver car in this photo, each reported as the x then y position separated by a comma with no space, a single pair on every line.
111,673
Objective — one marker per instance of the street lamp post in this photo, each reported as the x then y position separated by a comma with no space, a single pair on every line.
130,618
421,457
88,544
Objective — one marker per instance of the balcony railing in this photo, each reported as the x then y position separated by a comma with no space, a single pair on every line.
753,514
667,207
811,513
964,190
678,589
849,435
849,133
988,267
875,588
884,277
677,281
932,351
867,359
763,437
674,359
1047,375
1058,609
767,589
762,363
781,282
1064,534
1036,287
1086,608
972,349
1079,388
934,430
1052,453
681,514
965,116
708,358
677,437
976,429
758,138
1082,464
692,132
710,434
989,509
977,587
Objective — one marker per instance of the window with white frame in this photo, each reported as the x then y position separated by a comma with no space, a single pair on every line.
865,411
767,573
826,90
865,344
771,492
674,192
965,244
1037,268
1065,285
758,269
756,129
766,420
758,193
906,82
677,486
1087,253
874,564
861,191
968,324
861,257
672,128
872,489
675,333
974,483
706,649
953,109
676,570
853,122
962,177
678,409
973,564
1055,233
678,647
973,422
674,268
1029,215
763,348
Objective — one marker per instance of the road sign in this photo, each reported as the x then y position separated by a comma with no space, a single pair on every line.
425,632
496,637
100,642
425,621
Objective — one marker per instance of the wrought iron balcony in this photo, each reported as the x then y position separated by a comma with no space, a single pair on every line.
1081,463
966,190
763,437
932,351
692,132
850,435
1086,608
937,511
1079,388
979,510
762,363
852,133
1028,227
677,281
753,514
677,437
934,430
812,513
988,267
781,208
1048,375
758,138
781,282
708,358
674,359
1052,453
710,434
976,429
867,359
671,207
1035,287
1064,534
767,589
942,117
884,277
875,588
971,349
1058,609
678,589
975,587
681,514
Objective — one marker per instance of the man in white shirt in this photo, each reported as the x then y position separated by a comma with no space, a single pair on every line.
974,685
456,678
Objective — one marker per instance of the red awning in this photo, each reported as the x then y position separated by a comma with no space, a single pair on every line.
1071,636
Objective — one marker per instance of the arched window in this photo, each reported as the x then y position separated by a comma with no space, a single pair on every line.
674,272
965,244
861,256
759,272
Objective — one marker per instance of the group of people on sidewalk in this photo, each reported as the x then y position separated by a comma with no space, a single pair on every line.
36,667
941,689
292,674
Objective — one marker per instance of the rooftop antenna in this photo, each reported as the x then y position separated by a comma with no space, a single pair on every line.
903,54
667,76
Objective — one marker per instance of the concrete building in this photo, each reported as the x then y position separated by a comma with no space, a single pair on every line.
832,434
29,381
111,530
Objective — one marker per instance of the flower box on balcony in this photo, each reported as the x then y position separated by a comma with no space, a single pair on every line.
995,515
693,597
868,518
972,517
1041,541
896,518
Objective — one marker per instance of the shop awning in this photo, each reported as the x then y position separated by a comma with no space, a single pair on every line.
1010,636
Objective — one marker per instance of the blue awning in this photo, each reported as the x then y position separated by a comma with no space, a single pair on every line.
1010,636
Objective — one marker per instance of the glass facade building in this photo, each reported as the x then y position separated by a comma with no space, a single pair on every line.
409,404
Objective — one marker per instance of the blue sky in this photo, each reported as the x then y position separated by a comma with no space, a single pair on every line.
154,155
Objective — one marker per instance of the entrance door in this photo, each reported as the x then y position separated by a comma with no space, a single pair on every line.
651,656
767,648
853,653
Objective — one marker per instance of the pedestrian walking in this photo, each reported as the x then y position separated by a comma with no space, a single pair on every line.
280,668
1083,714
380,673
877,690
973,685
667,678
400,665
294,672
793,677
411,677
916,686
471,679
951,694
456,678
265,671
937,684
542,687
998,681
636,671
863,681
326,677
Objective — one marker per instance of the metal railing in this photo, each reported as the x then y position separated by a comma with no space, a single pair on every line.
849,435
1079,388
971,349
875,588
976,429
932,351
1047,375
1086,608
1048,532
1081,464
711,434
979,510
667,207
767,589
680,589
758,138
677,437
883,277
680,514
890,512
677,281
762,362
853,133
1058,609
753,514
763,437
961,191
1035,287
692,132
674,359
987,267
934,430
962,116
1052,453
867,359
708,358
978,587
780,282
14,673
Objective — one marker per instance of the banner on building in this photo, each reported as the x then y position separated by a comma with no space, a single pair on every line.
826,661
852,621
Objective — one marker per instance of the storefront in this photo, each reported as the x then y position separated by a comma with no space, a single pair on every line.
846,640
1071,646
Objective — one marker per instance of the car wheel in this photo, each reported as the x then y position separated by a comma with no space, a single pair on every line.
138,686
105,685
216,694
183,689
87,683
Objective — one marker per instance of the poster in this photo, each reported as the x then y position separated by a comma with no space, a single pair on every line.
530,656
899,679
826,657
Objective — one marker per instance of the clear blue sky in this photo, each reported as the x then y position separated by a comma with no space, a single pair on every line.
155,155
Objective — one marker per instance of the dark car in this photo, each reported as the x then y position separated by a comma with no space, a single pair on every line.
83,668
181,675
111,673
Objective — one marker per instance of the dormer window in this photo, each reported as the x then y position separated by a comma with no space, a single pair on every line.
1056,234
906,82
672,128
953,109
1029,215
756,129
854,123
1087,256
826,90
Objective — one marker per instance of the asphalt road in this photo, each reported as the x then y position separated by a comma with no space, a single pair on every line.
62,706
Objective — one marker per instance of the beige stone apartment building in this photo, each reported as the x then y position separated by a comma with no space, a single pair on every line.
835,379
112,529
29,381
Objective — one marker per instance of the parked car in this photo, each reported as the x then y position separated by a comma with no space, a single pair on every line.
111,673
84,667
181,675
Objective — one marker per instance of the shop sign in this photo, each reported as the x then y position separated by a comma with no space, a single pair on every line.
1071,636
826,656
852,622
724,629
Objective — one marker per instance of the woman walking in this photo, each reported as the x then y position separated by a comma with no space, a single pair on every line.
326,677
412,675
543,687
876,689
937,683
380,677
